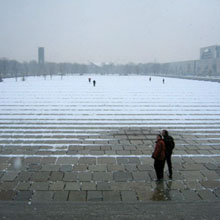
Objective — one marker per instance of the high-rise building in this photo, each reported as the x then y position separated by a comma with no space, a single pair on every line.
40,55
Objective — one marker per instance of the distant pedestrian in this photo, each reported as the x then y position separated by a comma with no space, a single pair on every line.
163,81
159,156
89,80
169,144
94,83
150,79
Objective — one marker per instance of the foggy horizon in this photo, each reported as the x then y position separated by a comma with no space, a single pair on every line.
118,31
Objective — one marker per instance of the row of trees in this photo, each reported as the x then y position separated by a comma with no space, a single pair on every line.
13,68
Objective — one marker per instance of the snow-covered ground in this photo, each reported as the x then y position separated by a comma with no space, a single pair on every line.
70,104
132,99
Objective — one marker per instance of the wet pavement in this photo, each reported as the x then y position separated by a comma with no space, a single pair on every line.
119,176
111,210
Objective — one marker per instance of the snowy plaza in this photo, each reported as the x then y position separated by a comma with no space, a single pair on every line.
65,139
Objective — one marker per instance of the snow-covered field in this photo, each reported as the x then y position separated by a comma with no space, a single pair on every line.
73,106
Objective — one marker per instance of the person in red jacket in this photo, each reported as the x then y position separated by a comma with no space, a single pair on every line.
159,156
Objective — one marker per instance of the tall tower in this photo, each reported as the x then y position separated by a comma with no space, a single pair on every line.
41,55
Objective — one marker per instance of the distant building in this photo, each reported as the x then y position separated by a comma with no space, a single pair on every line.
41,55
211,52
207,65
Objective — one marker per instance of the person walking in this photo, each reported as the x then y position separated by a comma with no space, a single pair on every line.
94,83
159,156
169,145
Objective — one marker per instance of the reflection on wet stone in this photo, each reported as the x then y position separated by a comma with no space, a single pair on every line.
162,191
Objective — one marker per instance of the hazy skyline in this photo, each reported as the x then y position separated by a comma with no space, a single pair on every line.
119,31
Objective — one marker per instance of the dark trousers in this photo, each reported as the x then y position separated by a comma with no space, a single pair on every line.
169,164
159,166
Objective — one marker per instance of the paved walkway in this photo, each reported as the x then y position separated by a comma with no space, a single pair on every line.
111,172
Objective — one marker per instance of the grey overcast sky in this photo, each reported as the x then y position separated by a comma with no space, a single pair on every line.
99,31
